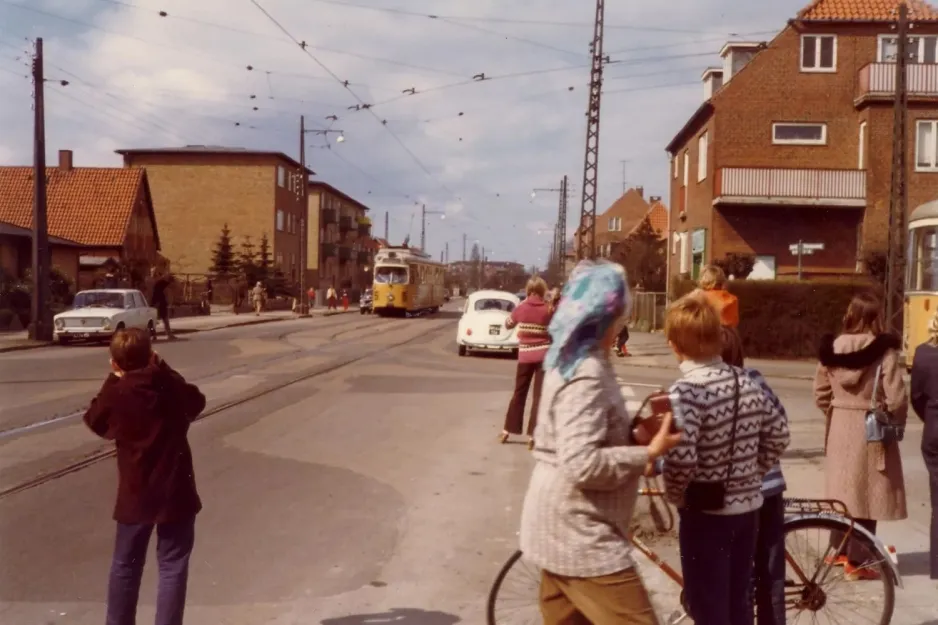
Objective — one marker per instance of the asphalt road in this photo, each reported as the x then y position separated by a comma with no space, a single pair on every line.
349,471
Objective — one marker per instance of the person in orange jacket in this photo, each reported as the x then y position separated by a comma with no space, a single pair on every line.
712,284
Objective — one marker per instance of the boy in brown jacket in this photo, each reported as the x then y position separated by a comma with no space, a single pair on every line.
146,407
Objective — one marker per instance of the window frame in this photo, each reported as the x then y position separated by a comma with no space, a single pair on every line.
279,220
703,144
920,52
686,178
861,155
817,69
776,141
281,176
676,165
933,167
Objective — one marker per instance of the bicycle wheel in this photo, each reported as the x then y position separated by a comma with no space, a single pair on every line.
835,574
514,596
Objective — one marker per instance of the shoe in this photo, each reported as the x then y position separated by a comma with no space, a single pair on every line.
531,444
860,573
503,438
838,561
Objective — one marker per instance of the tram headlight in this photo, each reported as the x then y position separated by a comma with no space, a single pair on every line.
390,298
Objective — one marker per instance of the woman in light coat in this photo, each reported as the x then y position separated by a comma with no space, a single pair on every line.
867,477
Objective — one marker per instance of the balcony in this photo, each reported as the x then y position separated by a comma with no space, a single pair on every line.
328,250
345,223
329,216
345,254
364,230
877,81
364,258
790,187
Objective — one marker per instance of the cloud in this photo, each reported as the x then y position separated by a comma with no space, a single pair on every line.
137,79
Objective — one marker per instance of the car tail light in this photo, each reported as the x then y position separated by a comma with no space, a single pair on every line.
468,331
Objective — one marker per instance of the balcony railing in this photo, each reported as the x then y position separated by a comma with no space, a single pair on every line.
328,250
753,185
345,223
345,254
329,216
878,80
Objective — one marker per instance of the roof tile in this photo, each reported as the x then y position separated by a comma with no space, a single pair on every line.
866,11
88,205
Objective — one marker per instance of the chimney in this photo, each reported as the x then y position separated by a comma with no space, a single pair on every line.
654,198
735,55
65,160
712,81
640,191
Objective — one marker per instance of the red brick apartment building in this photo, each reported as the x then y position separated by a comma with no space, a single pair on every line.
198,189
344,235
794,142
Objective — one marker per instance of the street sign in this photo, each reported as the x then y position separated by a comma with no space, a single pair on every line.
806,248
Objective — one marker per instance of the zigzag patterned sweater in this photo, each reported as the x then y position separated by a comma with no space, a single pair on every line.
705,408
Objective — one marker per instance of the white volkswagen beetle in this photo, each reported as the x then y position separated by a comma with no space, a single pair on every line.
96,315
482,325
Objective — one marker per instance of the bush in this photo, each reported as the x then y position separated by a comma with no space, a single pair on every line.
6,319
786,319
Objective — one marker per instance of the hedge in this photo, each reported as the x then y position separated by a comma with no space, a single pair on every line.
786,319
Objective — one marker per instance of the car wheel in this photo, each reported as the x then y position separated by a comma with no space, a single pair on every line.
462,350
151,328
120,326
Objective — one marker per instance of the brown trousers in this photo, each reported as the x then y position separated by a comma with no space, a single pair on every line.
617,599
514,419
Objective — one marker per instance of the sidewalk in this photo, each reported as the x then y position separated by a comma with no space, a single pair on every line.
17,341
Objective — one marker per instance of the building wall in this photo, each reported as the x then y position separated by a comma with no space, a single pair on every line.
16,257
628,210
350,274
65,259
694,200
140,242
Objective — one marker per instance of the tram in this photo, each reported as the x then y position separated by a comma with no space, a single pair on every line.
921,293
406,281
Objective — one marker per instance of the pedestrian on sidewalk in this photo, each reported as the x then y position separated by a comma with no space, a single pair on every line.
258,297
331,298
866,476
531,317
160,301
715,481
146,407
344,299
311,298
623,338
924,396
579,503
712,285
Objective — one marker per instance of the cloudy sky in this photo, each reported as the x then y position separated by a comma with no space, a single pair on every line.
221,72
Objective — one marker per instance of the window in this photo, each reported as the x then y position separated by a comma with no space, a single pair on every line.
702,157
278,259
280,221
686,167
675,161
920,49
861,158
926,146
281,176
818,53
799,134
615,224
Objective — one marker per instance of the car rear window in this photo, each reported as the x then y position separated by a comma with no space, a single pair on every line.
495,304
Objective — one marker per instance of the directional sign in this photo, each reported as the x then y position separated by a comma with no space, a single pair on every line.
806,248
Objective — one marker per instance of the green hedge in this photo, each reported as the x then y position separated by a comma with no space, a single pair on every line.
786,319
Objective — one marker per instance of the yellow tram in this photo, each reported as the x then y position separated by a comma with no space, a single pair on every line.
406,281
921,293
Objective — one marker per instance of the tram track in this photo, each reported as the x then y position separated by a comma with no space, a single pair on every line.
104,454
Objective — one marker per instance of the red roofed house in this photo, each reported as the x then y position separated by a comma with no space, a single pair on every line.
793,141
103,212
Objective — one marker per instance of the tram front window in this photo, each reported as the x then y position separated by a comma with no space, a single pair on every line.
923,264
391,275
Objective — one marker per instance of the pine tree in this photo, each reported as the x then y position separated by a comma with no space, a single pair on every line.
263,258
223,256
247,260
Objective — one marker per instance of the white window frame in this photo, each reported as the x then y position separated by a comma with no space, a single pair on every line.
933,151
281,176
816,68
686,167
822,141
702,146
861,155
676,164
919,53
280,220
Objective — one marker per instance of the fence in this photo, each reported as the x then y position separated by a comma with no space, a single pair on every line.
648,310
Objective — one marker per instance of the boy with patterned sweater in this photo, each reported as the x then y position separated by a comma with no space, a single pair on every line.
734,433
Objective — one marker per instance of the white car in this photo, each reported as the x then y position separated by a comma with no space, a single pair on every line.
482,325
96,315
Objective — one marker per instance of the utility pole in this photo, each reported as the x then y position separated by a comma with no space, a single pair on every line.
482,268
464,247
587,247
447,251
304,237
562,230
625,180
41,327
423,228
895,267
386,228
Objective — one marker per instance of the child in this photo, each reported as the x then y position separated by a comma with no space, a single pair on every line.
734,434
145,407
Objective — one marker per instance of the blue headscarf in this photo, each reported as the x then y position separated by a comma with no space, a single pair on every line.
595,296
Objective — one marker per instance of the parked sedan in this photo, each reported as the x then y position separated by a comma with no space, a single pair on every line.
482,325
96,315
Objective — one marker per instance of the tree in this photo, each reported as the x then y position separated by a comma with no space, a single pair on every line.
223,256
263,258
247,261
475,267
643,255
737,265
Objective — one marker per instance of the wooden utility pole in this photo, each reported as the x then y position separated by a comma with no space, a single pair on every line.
423,228
898,200
41,327
304,223
587,247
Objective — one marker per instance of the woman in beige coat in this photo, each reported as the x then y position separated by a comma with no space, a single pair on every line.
867,477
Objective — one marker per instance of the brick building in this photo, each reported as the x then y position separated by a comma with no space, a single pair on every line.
199,189
346,249
616,223
98,213
794,142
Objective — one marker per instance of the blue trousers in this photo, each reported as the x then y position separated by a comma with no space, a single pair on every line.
770,563
173,548
717,553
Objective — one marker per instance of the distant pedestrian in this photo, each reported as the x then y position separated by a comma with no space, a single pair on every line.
209,291
331,298
258,297
866,476
146,407
110,280
160,301
713,285
924,395
311,297
344,299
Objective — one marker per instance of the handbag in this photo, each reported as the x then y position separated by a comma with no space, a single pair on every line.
881,425
710,496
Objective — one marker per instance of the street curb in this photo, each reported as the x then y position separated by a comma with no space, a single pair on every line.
253,322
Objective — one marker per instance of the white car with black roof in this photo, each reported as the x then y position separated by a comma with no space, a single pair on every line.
482,325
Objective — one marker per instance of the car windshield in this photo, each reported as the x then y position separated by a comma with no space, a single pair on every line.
495,304
391,275
98,299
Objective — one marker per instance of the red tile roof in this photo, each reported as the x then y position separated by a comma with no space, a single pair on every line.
866,11
88,205
659,218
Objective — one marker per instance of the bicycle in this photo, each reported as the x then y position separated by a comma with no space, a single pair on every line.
803,592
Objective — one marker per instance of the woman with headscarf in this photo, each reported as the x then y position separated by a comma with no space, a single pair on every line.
924,397
584,486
